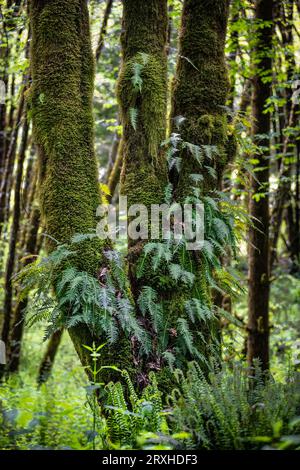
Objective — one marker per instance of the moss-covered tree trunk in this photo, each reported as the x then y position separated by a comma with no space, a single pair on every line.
142,92
259,283
62,68
200,90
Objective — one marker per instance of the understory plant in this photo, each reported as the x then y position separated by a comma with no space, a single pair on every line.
234,407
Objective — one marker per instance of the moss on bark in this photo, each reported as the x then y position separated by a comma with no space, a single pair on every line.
61,102
144,173
200,89
142,91
142,94
62,67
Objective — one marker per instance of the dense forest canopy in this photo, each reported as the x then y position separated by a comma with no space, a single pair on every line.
149,224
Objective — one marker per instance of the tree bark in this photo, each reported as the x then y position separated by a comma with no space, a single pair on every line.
144,172
200,90
201,63
115,168
258,300
17,329
62,66
9,164
10,264
287,119
49,357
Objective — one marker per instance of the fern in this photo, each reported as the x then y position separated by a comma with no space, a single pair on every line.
145,413
186,335
225,412
80,298
137,69
195,150
179,274
133,116
169,358
136,78
161,252
196,310
149,304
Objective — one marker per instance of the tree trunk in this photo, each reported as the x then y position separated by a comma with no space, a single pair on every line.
49,356
144,173
287,119
10,264
7,23
143,116
258,301
200,90
9,164
17,329
116,165
62,66
103,29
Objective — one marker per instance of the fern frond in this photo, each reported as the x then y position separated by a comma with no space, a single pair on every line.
133,116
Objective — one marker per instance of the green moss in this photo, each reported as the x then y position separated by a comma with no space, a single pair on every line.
62,67
149,101
200,88
144,172
61,104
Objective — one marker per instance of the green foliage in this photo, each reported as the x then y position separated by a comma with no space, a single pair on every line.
102,304
144,414
169,267
137,68
133,114
149,304
95,387
54,416
232,408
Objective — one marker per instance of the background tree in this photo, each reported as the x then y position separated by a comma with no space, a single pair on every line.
259,287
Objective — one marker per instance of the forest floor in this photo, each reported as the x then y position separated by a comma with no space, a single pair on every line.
57,414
